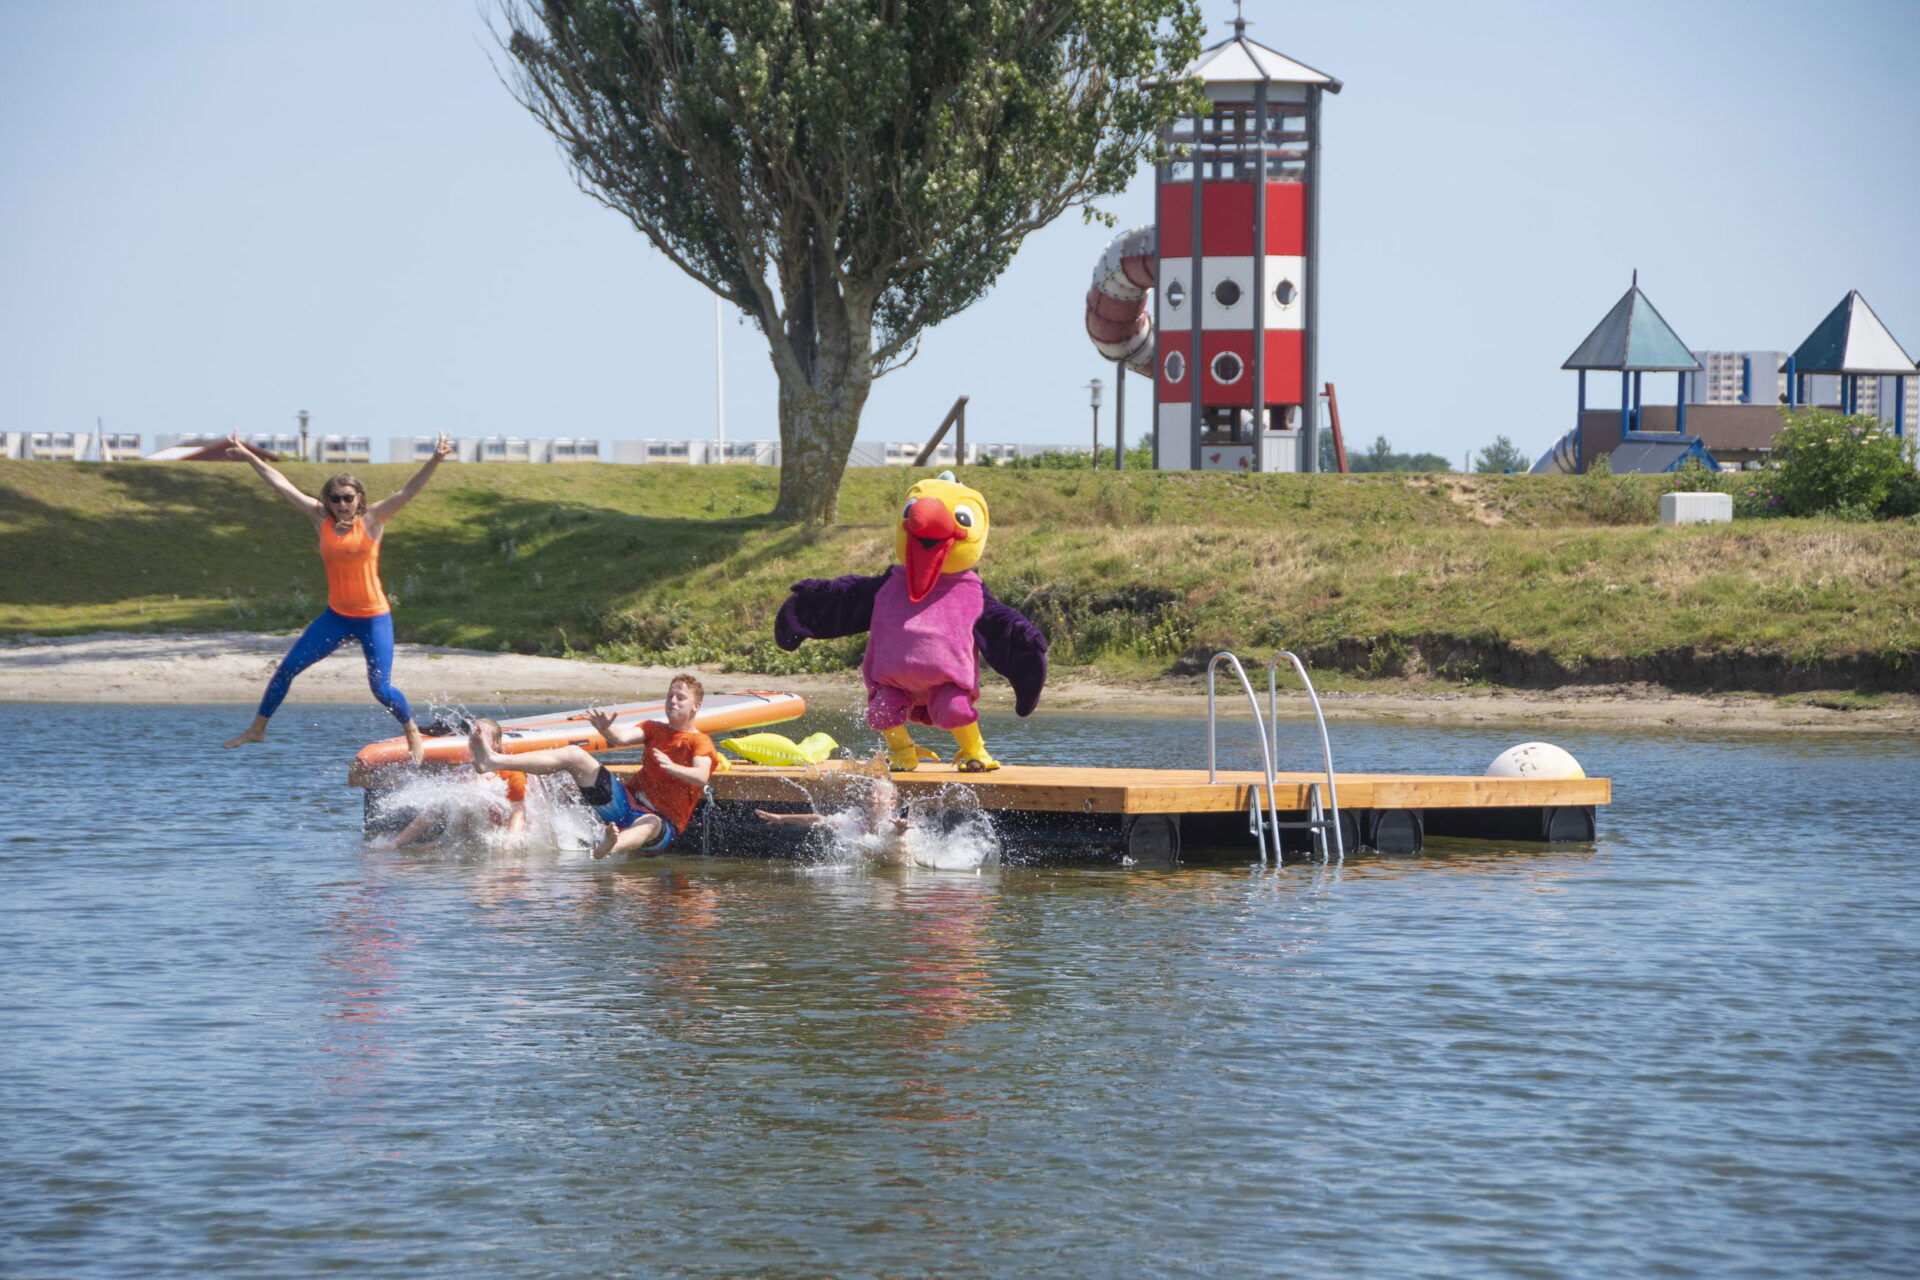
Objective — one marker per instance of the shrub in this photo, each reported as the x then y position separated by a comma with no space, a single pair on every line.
1829,463
1695,476
1605,498
1903,498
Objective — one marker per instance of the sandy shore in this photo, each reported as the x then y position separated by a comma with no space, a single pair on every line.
233,666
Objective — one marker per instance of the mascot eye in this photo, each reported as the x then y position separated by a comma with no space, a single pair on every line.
965,516
907,510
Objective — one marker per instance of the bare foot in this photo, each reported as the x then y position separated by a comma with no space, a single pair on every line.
483,744
416,745
604,845
257,732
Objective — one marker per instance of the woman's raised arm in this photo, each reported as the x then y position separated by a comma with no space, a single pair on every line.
308,504
382,511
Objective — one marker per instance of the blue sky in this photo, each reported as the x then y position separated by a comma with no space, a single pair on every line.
217,213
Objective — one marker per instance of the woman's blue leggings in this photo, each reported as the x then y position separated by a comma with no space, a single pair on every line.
325,634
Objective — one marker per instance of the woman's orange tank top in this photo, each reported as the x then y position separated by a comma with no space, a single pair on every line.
353,571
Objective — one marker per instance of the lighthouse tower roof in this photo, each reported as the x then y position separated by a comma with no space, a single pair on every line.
1239,60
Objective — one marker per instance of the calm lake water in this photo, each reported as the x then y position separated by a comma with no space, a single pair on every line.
235,1039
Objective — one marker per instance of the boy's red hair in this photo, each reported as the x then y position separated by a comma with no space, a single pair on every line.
693,683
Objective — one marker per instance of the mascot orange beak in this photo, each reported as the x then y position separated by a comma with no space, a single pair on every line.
931,533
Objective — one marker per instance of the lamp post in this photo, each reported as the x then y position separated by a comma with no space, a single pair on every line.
302,415
1094,387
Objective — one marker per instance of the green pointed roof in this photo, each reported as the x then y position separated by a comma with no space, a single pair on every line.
1633,336
1851,340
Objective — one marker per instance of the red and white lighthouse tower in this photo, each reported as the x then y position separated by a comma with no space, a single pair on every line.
1234,271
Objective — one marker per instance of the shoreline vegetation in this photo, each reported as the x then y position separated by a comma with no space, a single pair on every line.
1432,587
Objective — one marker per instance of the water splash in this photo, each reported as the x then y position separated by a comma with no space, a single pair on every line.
469,811
946,830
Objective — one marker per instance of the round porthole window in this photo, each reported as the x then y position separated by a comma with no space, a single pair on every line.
1284,293
1176,294
1227,368
1226,293
1176,366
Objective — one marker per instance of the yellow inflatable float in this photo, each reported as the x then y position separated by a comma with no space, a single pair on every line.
774,748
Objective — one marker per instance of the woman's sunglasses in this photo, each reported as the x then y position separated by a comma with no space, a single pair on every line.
341,497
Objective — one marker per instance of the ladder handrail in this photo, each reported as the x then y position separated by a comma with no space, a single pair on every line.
1266,754
1326,747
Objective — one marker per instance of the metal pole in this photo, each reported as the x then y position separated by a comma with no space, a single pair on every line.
1310,372
1196,380
1259,299
1579,420
1094,388
1120,414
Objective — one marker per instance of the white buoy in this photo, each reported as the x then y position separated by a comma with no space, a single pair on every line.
1535,760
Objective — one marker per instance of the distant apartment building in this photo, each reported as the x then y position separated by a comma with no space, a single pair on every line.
287,444
70,446
1760,377
339,451
1737,377
698,453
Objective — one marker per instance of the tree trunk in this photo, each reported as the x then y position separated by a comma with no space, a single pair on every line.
817,427
825,367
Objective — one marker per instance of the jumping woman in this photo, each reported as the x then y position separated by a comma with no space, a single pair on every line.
356,609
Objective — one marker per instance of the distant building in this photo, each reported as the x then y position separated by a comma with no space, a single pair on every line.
175,445
49,446
1737,377
343,451
70,446
750,453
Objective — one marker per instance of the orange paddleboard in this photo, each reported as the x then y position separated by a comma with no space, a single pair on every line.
719,713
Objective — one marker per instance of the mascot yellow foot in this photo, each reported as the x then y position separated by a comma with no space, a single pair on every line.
972,756
903,753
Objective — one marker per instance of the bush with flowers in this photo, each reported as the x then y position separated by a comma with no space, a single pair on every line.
1828,463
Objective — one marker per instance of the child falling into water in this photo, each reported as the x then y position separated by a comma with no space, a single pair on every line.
462,821
643,813
880,834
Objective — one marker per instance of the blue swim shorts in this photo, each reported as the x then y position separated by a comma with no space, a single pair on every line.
612,802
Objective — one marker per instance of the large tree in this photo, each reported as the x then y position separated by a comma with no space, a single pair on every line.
848,173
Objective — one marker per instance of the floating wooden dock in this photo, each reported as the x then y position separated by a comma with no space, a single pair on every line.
1151,813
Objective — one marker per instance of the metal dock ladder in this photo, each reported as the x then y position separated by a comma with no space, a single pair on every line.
1323,820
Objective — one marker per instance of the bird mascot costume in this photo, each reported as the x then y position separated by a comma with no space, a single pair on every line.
929,620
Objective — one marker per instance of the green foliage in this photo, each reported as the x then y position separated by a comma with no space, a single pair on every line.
1500,458
1609,499
1694,476
1056,460
1829,463
849,173
1381,457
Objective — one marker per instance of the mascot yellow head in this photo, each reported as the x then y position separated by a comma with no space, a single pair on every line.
942,530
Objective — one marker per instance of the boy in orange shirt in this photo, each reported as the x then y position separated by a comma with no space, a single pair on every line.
643,814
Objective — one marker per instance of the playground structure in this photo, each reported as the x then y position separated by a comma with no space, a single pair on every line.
1218,301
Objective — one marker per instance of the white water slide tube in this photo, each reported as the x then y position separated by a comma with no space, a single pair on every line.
1559,460
1119,319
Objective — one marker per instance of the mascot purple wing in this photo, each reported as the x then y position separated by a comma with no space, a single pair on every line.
1015,648
828,608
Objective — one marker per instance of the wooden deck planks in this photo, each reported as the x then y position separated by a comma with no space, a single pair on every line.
1061,789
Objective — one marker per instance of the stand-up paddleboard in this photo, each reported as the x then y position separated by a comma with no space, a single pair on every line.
719,713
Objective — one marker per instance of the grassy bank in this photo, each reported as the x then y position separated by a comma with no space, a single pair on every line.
1502,580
